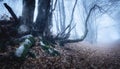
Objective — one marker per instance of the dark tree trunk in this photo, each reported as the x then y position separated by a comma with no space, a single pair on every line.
28,13
42,21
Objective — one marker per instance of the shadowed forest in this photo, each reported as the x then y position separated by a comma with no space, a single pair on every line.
59,34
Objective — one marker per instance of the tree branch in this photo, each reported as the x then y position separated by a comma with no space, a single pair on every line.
69,26
64,41
11,12
54,5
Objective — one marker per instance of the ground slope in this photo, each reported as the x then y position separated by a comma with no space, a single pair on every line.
73,56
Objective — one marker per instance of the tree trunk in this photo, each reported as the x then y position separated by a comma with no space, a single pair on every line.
42,21
28,13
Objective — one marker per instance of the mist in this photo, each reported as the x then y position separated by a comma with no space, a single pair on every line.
16,5
103,26
59,34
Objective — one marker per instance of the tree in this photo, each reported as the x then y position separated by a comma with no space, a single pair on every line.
43,20
28,13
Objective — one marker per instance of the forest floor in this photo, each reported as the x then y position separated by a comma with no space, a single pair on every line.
73,56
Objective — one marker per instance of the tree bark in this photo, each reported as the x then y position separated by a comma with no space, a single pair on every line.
42,21
28,13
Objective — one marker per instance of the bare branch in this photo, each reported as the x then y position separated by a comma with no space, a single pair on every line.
64,41
73,13
11,11
54,5
69,26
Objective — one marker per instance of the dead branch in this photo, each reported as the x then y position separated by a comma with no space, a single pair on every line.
5,22
73,13
54,5
69,26
11,12
64,41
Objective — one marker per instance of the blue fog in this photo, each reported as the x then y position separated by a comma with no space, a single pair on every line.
102,29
